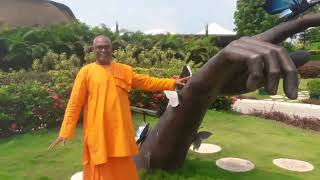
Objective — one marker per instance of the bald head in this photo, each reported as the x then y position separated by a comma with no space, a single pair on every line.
102,48
101,38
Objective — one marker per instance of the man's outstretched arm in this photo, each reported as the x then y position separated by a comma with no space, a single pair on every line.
76,101
148,83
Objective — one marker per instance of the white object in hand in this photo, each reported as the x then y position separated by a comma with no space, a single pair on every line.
173,98
139,131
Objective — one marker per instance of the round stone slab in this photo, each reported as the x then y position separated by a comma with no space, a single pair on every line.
293,165
235,164
77,176
206,148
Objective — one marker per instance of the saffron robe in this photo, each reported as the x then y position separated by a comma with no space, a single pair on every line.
102,92
117,168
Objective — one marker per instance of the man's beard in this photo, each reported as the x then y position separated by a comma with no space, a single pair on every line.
105,60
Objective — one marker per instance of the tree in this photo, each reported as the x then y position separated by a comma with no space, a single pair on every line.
251,19
24,44
310,36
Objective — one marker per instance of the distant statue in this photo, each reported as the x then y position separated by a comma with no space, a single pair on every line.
243,66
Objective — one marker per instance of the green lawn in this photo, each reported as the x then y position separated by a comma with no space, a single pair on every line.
315,58
302,87
255,139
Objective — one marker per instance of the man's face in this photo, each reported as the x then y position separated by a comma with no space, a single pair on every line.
103,50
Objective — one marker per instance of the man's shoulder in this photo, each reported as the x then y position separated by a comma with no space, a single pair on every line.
123,66
122,71
87,67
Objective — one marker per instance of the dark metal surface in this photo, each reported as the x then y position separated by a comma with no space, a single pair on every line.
243,66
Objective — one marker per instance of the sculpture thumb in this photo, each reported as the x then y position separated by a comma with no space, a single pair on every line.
299,58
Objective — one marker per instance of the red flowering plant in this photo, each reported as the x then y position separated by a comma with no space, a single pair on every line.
24,101
223,103
32,101
149,100
8,113
161,101
33,105
233,99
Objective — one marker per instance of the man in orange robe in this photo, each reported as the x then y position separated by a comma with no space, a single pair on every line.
101,90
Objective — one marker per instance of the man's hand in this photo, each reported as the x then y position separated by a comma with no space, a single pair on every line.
180,81
57,141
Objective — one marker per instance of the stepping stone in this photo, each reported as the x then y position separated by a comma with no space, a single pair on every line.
293,165
207,148
277,97
268,99
279,100
77,176
235,164
305,92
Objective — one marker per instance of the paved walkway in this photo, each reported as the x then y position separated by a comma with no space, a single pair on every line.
282,98
246,106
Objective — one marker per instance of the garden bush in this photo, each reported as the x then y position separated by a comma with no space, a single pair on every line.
22,76
316,50
311,101
310,70
223,103
302,122
32,104
313,87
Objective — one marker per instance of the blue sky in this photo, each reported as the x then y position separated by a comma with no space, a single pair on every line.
180,16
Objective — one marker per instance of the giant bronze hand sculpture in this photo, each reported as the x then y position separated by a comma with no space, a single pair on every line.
243,66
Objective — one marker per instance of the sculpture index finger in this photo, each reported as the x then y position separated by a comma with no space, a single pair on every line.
287,29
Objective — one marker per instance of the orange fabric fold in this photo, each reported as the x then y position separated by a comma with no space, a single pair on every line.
122,168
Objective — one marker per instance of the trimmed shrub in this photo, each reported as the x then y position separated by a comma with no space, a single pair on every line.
310,70
311,101
302,122
28,105
313,87
32,104
223,103
22,76
315,51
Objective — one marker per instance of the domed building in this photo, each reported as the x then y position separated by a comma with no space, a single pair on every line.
15,13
